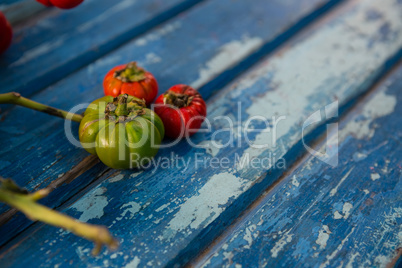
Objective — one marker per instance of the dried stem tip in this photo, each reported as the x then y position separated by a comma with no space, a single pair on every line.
177,99
130,73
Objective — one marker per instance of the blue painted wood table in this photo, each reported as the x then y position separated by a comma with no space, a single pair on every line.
299,161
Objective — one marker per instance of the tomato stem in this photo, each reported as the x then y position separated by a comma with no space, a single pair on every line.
16,197
130,73
124,110
17,99
177,99
121,109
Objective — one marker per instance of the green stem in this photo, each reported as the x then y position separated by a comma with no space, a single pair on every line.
36,212
121,109
17,99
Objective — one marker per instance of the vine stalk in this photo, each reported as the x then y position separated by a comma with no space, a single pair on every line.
18,198
17,99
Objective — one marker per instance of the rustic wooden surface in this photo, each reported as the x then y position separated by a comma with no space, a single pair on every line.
316,214
46,137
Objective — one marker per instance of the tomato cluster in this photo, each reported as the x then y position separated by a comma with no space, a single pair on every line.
181,108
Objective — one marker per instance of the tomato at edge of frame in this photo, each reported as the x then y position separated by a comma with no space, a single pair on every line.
6,33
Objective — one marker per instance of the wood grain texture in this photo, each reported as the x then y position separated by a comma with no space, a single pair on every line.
166,216
51,46
323,216
216,48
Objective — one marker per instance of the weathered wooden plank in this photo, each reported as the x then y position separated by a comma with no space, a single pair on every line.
52,46
167,216
199,60
323,216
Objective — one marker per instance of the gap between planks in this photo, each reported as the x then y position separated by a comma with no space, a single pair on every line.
210,250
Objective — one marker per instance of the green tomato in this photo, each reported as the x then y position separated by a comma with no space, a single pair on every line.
121,131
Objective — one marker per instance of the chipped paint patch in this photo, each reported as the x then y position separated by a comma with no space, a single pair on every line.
202,209
323,236
337,215
385,169
336,251
82,252
345,211
389,223
382,261
136,174
211,147
248,235
130,207
134,263
335,190
375,176
352,259
285,239
295,182
116,178
379,106
357,156
228,55
162,207
91,205
228,256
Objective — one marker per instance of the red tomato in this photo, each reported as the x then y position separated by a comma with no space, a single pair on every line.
64,4
182,111
6,33
132,80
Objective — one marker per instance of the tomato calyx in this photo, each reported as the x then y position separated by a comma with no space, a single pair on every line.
130,73
176,99
120,111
